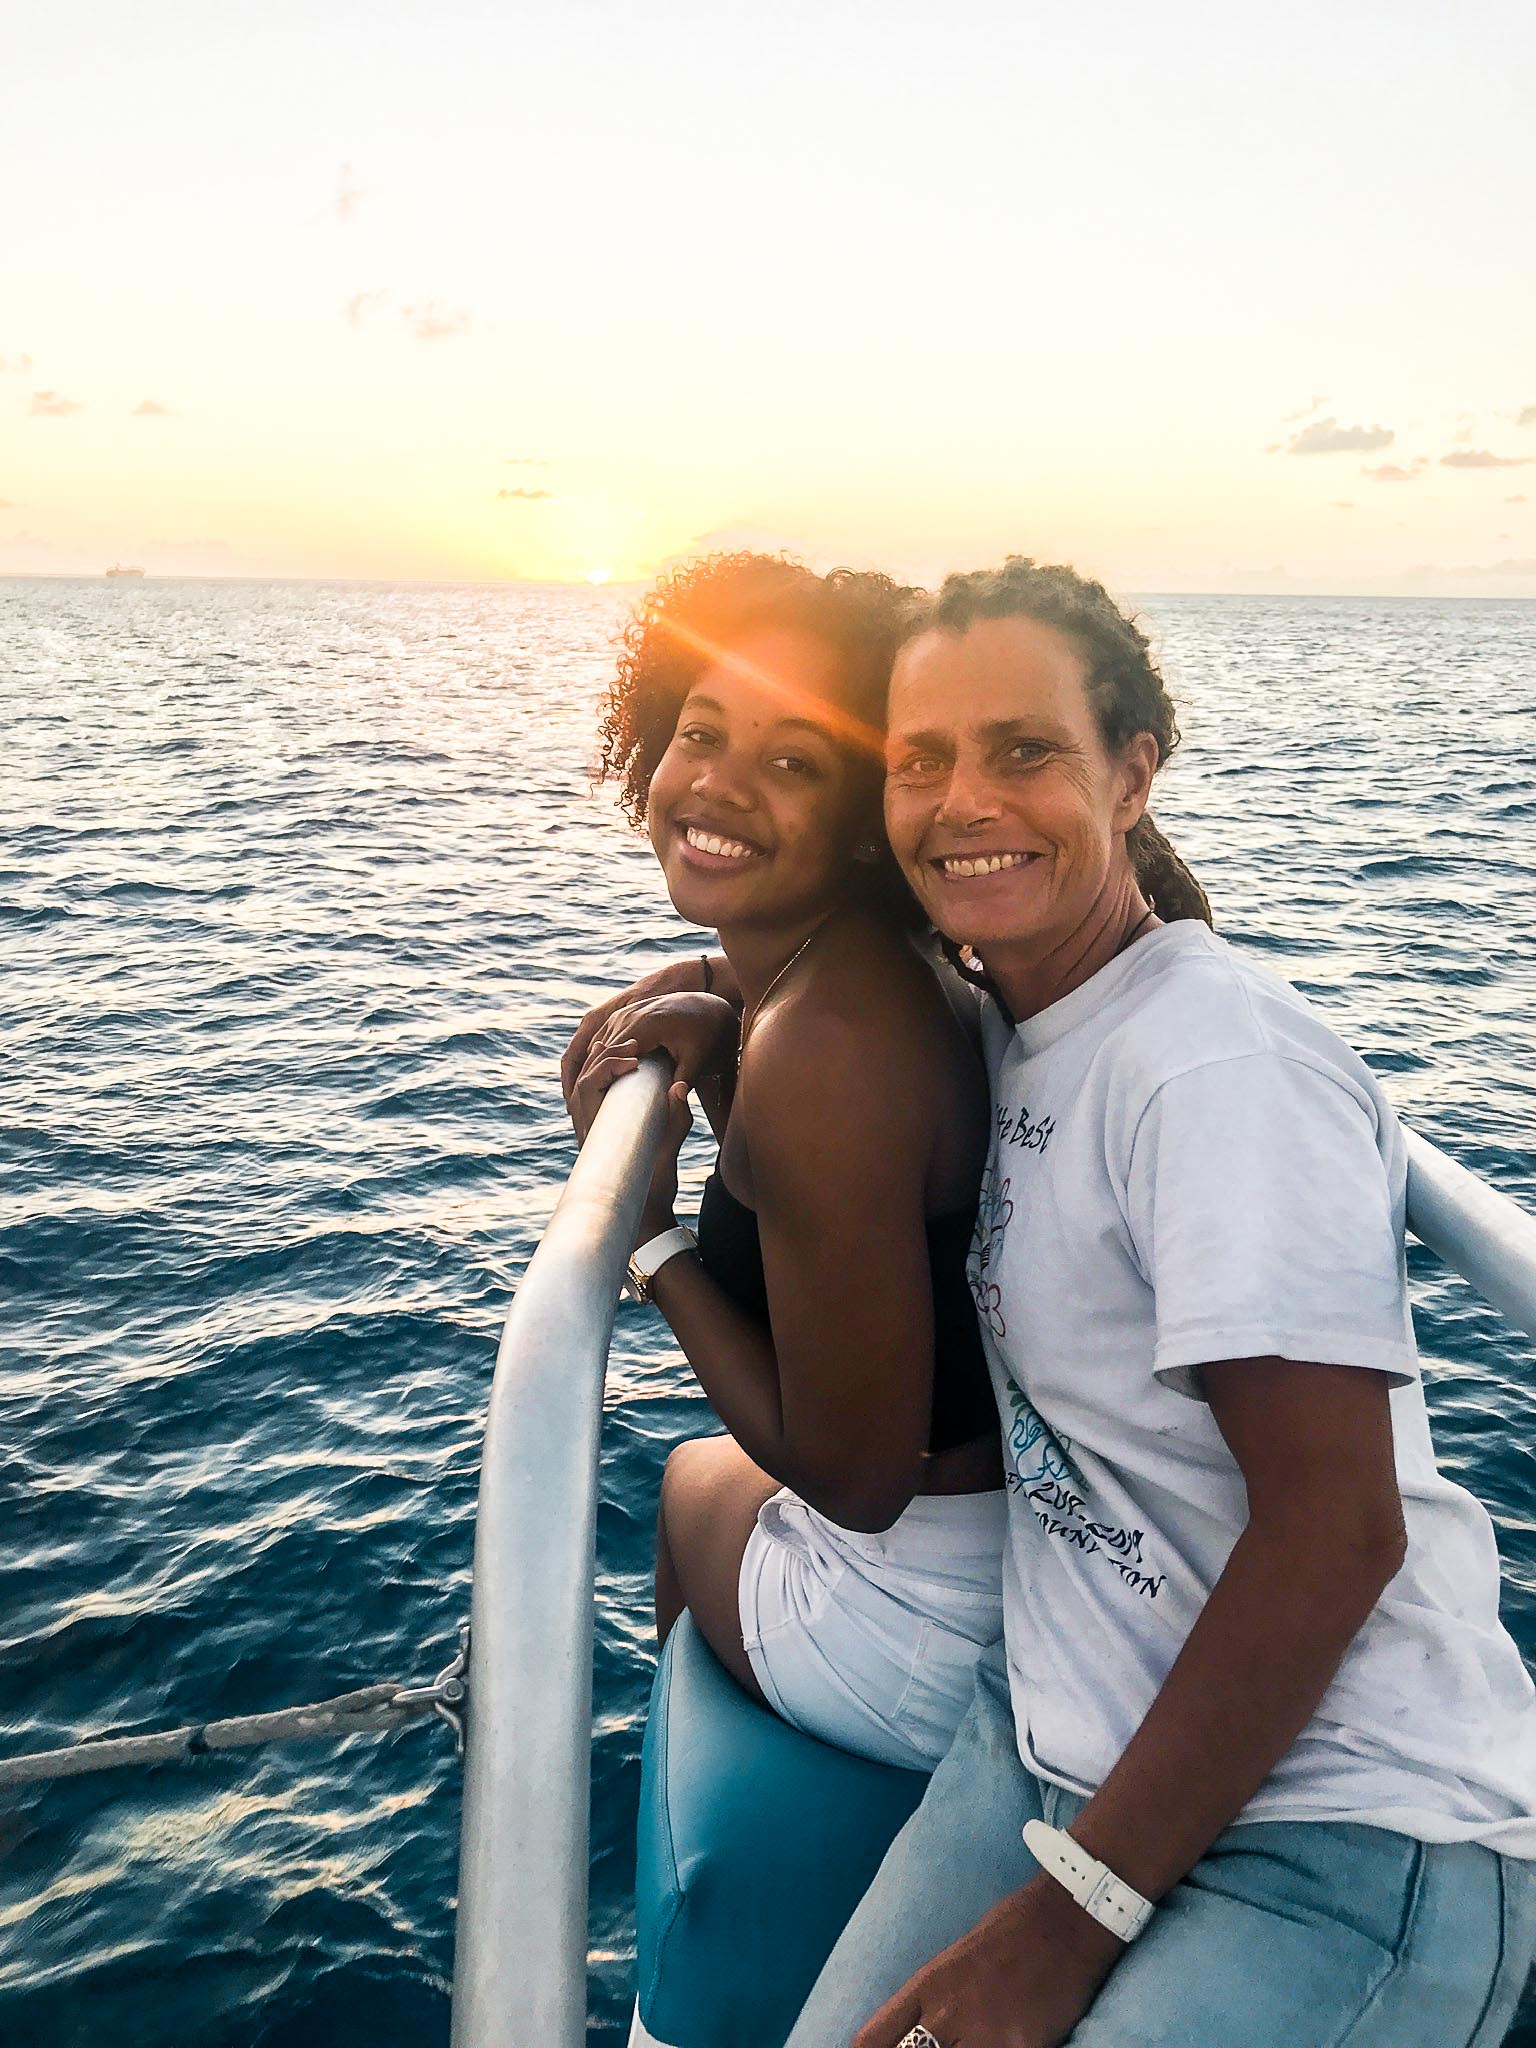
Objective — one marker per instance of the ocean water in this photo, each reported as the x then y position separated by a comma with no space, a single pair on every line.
301,890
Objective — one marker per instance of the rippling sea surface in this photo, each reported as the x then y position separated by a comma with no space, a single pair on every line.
301,890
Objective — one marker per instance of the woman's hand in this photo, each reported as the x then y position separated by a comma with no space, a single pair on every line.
678,977
604,1065
1022,1978
699,1032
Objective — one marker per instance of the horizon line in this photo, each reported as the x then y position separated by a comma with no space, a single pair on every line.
96,576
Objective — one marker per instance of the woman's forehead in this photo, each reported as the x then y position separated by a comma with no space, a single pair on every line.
769,666
996,670
775,676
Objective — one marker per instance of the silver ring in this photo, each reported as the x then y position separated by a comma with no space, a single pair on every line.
919,2038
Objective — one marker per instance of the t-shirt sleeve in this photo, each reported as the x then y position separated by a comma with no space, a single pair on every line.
1261,1212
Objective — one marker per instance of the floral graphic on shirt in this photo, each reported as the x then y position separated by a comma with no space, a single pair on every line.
1037,1454
994,1212
1041,1469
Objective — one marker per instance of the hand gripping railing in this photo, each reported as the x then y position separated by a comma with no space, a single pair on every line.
519,1976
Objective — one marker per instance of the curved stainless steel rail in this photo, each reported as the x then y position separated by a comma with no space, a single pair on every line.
520,1962
1478,1232
520,1965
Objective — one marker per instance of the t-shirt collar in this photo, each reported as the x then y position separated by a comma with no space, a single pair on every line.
1035,1033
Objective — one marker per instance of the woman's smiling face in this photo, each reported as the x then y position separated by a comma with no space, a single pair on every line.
751,808
1005,810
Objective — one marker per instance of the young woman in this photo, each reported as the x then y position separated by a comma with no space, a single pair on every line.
840,1549
1256,1700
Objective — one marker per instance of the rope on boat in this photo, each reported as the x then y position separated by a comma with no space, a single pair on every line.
366,1711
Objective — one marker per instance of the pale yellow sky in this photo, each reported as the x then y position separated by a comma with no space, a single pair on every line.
1201,298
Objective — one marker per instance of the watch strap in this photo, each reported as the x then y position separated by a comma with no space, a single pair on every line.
647,1260
1105,1897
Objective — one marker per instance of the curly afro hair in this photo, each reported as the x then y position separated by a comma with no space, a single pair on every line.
676,632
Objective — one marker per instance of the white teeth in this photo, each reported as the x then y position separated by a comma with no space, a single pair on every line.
959,869
711,842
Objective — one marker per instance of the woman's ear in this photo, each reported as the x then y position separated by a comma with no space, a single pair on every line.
1137,766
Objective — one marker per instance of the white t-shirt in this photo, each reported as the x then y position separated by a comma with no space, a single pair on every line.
1187,1165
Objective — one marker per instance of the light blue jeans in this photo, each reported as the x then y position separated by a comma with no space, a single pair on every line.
1285,1935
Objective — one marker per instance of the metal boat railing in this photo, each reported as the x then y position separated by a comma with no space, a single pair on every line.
520,1963
1482,1235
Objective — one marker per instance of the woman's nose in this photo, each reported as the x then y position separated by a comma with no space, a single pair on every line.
723,781
969,797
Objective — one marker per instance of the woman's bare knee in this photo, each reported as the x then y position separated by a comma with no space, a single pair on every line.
710,1494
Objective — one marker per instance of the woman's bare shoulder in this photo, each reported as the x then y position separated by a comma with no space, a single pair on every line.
871,1009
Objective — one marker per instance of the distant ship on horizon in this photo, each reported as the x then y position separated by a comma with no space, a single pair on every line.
118,569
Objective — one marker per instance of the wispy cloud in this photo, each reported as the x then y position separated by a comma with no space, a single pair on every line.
1483,458
1515,501
52,405
427,319
1394,473
432,322
348,194
1527,417
1327,437
1312,405
21,364
9,505
519,493
150,409
1342,504
526,461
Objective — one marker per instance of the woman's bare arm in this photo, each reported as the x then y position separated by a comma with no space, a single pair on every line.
1324,1537
838,1404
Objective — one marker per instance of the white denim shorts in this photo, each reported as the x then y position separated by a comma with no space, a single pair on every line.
871,1642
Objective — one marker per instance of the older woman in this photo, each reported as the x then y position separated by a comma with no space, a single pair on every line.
1260,1764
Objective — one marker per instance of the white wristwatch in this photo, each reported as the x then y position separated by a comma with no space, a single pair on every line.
1109,1899
648,1259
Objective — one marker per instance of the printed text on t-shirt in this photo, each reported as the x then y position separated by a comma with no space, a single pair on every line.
1044,1473
1014,1127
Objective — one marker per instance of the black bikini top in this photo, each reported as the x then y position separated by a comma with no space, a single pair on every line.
963,1406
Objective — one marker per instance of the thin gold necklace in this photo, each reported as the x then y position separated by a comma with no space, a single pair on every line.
749,1017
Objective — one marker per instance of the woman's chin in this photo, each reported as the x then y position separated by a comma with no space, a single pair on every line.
990,911
705,900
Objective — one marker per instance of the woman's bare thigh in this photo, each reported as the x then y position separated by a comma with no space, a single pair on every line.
710,1494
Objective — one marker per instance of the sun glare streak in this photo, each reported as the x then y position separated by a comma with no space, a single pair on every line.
842,724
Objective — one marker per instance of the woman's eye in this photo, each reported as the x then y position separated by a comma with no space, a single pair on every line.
794,764
695,735
1026,752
